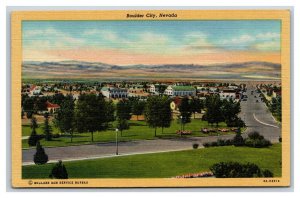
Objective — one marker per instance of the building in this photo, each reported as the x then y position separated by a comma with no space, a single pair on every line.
52,108
180,91
229,94
113,92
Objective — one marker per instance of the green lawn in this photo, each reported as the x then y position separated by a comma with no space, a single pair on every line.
138,130
163,165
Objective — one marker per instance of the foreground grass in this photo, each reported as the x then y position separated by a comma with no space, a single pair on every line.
139,130
163,165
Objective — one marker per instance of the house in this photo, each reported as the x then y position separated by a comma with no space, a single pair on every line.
228,94
113,92
52,108
180,91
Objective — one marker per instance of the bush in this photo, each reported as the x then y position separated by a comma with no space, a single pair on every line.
255,135
229,142
207,144
257,143
40,157
221,142
195,146
256,140
267,173
214,144
238,140
59,171
280,139
237,170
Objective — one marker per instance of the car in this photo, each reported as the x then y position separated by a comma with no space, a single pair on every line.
256,100
244,99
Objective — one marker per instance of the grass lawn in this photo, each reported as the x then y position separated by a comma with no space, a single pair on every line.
163,165
138,130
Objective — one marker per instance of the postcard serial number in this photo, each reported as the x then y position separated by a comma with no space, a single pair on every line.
151,15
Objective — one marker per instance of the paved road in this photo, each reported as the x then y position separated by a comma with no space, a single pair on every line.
255,114
258,118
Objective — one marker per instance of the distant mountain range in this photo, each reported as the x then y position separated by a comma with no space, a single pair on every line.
78,69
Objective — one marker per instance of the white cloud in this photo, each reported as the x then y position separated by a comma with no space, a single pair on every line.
267,46
268,35
239,40
104,34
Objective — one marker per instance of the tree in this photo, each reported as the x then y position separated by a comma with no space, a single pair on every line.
158,112
34,138
109,113
28,106
65,117
40,157
161,89
185,111
122,124
196,105
230,111
213,112
123,115
138,107
166,114
90,114
47,128
124,109
59,171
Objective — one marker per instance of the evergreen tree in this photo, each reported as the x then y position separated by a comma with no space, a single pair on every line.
47,128
34,138
59,171
40,157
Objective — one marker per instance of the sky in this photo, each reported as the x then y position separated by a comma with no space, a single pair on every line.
152,42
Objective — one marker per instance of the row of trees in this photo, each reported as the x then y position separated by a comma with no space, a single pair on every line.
227,111
93,113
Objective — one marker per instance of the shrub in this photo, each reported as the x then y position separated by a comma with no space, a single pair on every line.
195,146
280,139
214,144
221,142
207,144
256,140
59,171
255,135
228,142
238,140
40,157
267,173
237,170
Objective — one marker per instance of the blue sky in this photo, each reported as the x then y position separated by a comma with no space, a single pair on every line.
150,37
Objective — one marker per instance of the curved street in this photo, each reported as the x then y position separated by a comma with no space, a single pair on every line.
256,116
